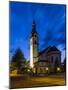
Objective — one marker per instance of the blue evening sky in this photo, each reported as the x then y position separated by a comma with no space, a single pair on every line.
50,25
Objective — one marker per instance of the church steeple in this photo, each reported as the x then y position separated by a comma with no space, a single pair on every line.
33,46
33,28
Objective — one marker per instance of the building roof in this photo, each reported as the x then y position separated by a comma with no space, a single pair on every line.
49,49
46,49
53,48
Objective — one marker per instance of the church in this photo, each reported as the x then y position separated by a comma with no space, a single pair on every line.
45,61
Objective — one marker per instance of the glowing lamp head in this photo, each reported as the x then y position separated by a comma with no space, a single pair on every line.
58,69
46,68
28,70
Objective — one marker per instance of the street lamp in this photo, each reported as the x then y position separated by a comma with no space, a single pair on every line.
46,68
58,69
28,70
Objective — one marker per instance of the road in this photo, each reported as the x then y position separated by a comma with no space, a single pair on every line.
52,80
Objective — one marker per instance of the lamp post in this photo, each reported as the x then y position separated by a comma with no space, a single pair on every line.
58,69
47,69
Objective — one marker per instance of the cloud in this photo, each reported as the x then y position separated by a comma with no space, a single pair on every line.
50,25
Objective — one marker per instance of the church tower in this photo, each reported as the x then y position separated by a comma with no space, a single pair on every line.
33,46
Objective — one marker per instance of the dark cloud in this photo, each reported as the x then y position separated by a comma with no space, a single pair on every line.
50,25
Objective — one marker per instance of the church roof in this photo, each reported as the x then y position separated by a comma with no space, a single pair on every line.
53,48
49,49
44,50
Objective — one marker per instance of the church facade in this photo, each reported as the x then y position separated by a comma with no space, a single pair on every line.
46,61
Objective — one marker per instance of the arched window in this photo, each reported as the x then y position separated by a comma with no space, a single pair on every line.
52,59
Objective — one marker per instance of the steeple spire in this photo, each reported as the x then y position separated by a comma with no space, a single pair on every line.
33,28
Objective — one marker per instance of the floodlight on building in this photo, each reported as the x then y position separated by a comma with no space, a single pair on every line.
58,69
31,57
28,70
46,68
